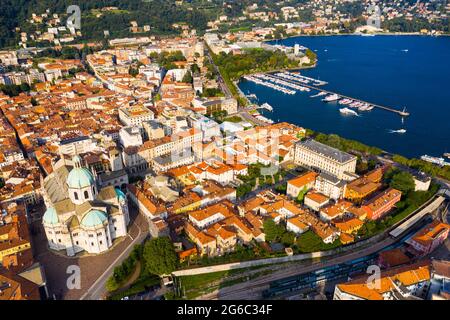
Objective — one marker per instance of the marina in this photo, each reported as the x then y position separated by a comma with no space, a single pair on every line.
275,80
269,84
285,82
295,76
289,77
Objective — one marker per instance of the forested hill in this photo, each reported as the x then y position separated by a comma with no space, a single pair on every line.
159,14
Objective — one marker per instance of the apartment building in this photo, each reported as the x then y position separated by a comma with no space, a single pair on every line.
135,115
382,203
429,238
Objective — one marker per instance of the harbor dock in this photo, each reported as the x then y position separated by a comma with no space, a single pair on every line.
402,113
290,83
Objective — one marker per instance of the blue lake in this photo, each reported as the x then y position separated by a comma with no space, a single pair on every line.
393,71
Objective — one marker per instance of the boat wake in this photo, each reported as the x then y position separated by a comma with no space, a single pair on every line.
397,131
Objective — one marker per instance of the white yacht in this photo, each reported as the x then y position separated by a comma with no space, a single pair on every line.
331,97
348,111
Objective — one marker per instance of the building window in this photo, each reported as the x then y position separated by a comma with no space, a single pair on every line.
86,195
92,244
75,195
59,240
101,242
76,242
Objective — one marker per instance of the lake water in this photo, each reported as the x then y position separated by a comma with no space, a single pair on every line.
394,71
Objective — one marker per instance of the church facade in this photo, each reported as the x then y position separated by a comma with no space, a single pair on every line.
80,215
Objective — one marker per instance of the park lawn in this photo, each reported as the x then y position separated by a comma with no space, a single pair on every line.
235,119
145,280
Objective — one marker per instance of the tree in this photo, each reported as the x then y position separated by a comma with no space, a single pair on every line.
301,195
288,238
111,284
195,68
160,257
188,78
133,71
403,181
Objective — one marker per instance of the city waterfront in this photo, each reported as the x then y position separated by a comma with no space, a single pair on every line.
398,71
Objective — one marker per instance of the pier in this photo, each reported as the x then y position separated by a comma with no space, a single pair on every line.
399,112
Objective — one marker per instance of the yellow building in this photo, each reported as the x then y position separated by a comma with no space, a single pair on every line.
361,188
190,202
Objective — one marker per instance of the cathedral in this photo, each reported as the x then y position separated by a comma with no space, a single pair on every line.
81,216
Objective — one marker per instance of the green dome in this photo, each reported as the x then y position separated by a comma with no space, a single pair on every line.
120,194
94,218
80,178
50,216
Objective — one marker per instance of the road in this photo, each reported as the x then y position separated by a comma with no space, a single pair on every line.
97,291
220,81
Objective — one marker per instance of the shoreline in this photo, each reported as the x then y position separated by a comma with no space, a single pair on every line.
360,34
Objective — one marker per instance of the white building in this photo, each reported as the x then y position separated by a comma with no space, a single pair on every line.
204,218
130,137
330,186
315,201
319,156
74,146
208,127
421,182
79,216
296,225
